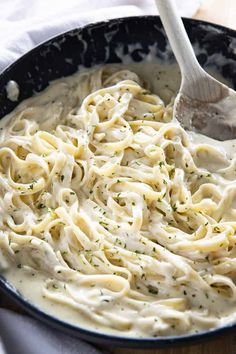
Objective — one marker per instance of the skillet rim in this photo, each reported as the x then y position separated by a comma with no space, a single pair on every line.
87,334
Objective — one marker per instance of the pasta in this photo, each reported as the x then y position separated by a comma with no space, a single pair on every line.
130,220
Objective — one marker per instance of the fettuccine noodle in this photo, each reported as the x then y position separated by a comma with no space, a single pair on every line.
131,222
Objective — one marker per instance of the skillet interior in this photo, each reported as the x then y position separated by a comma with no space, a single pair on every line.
133,38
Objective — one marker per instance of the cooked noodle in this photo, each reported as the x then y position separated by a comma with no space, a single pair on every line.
104,193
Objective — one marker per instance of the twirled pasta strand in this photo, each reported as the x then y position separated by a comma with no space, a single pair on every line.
104,193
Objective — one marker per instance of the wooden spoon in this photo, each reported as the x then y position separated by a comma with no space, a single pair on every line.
203,104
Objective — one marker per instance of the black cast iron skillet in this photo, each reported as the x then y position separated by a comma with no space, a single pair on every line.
108,42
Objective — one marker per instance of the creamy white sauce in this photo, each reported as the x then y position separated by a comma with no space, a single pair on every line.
21,279
185,308
13,91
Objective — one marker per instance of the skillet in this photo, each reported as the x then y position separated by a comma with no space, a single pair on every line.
111,41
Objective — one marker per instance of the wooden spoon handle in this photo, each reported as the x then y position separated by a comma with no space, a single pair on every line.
177,36
196,83
194,79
